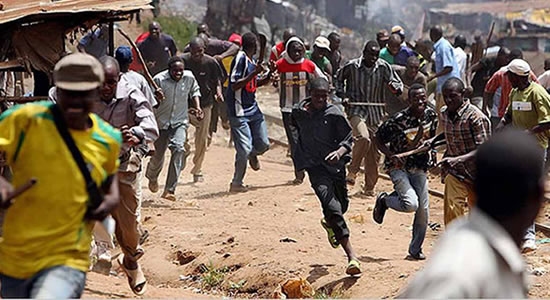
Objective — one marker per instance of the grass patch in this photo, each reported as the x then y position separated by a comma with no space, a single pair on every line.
213,277
323,294
178,27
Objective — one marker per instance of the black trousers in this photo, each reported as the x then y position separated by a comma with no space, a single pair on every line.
332,191
292,137
219,111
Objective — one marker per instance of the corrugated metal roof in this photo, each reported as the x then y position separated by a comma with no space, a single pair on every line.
493,7
12,10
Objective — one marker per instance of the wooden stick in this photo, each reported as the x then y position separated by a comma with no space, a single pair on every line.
263,42
365,104
421,149
23,99
142,61
489,36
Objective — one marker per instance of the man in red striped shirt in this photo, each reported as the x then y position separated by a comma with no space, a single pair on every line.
295,72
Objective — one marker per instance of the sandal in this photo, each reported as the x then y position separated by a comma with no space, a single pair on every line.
330,234
354,268
136,279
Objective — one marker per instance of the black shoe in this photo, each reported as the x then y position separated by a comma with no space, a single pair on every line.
380,208
418,256
254,162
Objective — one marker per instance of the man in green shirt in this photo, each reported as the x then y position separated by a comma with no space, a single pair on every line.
529,109
319,54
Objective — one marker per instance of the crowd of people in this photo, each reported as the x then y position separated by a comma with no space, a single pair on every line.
103,118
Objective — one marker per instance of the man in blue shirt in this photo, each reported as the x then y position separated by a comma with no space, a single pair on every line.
179,87
248,127
95,42
445,66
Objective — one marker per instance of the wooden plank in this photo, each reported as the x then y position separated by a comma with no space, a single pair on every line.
543,228
5,65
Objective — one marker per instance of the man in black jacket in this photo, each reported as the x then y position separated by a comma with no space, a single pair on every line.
324,144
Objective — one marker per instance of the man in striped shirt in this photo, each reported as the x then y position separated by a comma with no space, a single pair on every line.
295,73
248,127
364,82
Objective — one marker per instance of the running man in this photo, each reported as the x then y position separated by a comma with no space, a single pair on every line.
248,127
403,132
48,229
323,149
178,85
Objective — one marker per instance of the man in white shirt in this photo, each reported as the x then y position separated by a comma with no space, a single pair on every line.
478,256
460,55
544,78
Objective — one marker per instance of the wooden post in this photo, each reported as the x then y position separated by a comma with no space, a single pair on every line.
112,38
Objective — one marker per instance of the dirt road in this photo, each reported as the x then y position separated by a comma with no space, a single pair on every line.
235,239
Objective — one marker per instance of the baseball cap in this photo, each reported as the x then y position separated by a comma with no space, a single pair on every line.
235,38
322,42
124,55
383,35
78,72
398,29
519,67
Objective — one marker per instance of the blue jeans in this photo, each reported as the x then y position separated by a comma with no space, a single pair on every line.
411,195
173,139
59,282
250,139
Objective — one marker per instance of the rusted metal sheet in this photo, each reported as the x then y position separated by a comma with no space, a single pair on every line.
493,7
12,10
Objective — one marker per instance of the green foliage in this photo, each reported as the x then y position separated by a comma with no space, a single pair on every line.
213,277
178,27
323,294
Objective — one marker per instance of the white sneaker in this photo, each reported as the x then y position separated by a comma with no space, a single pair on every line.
528,246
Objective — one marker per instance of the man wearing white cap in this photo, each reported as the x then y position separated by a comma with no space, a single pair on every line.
529,109
319,55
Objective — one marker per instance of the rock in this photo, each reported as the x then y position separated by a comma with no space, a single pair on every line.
231,240
370,208
539,271
288,240
226,255
186,257
196,290
250,203
403,276
183,277
297,289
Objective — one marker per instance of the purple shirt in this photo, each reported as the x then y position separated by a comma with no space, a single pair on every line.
403,55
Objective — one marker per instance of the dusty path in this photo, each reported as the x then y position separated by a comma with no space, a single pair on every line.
241,233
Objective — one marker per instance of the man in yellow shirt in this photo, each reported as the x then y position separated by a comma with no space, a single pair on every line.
47,230
529,109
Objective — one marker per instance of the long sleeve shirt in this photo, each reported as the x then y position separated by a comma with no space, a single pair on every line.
129,107
173,110
141,83
362,84
320,133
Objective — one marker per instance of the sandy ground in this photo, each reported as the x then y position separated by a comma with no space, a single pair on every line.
239,238
240,235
